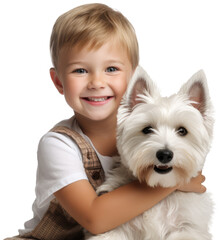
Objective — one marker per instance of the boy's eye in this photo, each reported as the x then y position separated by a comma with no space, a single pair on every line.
80,70
111,69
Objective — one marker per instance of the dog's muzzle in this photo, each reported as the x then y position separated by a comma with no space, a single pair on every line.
164,156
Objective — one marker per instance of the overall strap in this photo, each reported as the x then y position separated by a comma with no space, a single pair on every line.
57,224
92,165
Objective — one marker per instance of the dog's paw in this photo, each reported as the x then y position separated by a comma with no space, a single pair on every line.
104,189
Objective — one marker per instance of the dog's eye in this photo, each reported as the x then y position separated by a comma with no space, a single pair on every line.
182,131
147,130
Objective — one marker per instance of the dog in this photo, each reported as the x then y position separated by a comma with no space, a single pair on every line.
163,141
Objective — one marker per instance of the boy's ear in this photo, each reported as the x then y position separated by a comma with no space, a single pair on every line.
56,81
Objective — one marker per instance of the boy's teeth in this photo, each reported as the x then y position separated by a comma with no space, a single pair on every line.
97,99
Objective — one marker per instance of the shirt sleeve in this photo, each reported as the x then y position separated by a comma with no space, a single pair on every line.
59,164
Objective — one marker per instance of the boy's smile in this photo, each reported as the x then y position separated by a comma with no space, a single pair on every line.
97,101
93,81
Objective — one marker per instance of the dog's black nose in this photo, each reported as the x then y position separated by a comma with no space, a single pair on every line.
164,155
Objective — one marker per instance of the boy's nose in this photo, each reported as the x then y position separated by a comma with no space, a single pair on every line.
96,82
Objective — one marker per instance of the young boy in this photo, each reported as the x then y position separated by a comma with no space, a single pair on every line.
95,52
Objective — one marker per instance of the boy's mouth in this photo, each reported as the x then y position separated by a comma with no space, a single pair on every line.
97,99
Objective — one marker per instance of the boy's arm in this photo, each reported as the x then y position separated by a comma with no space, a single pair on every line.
101,214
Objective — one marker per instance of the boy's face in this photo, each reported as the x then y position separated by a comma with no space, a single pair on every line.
93,81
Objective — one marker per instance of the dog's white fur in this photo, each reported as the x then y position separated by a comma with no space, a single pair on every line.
180,216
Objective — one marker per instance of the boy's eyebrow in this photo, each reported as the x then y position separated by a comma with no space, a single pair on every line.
111,61
115,61
76,62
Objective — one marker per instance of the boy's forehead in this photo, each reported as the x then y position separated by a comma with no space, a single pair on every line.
94,45
110,47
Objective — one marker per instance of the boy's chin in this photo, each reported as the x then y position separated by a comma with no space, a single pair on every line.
95,117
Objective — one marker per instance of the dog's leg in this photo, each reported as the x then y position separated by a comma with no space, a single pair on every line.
115,178
189,235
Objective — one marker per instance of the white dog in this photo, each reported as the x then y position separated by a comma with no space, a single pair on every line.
163,141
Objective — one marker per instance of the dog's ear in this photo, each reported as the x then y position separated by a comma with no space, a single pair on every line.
197,91
140,85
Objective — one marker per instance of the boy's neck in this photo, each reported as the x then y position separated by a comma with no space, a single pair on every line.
101,133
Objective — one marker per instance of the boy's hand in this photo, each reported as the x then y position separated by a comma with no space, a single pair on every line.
195,185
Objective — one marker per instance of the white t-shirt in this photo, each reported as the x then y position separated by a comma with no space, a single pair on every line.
59,164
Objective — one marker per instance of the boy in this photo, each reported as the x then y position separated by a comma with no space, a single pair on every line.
95,52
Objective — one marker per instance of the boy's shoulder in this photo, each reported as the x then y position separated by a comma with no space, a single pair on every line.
70,123
55,141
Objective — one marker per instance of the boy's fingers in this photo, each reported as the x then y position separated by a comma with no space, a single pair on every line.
203,178
203,189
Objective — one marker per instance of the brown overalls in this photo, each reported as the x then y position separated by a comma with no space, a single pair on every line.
57,224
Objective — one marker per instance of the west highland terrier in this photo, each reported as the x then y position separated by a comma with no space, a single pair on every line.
164,142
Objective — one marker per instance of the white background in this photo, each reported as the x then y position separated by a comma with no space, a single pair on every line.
176,38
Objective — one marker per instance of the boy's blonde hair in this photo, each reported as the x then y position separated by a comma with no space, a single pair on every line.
92,25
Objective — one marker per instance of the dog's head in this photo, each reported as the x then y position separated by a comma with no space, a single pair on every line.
164,140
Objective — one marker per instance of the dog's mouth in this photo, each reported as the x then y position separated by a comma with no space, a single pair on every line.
162,169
